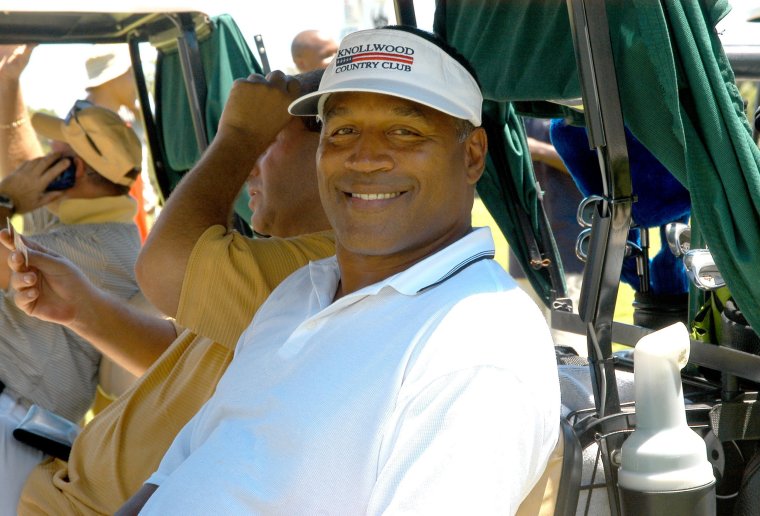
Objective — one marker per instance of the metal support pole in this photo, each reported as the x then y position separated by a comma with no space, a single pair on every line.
192,72
262,50
405,12
151,130
611,222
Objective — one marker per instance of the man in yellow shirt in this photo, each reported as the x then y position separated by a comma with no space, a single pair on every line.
215,281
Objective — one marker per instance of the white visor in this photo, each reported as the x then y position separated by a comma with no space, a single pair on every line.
400,64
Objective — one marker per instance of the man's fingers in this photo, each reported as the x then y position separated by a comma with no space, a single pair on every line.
7,239
41,165
287,83
39,257
278,80
50,197
293,85
48,162
24,281
254,77
26,299
56,168
16,261
276,77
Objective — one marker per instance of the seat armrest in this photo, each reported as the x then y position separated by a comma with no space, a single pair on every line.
46,431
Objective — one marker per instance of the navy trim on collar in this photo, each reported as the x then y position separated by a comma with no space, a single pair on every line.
484,255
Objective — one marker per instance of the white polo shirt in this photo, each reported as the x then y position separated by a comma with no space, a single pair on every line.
434,391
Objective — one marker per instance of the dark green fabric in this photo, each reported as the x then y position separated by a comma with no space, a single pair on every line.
678,95
508,186
520,48
226,57
508,150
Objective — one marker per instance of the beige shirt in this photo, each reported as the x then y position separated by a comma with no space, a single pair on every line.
45,363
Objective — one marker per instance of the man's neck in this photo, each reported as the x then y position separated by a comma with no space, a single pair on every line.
359,270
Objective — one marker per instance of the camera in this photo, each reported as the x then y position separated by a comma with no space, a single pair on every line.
65,179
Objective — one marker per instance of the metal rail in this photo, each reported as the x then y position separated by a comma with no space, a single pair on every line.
192,72
151,129
612,219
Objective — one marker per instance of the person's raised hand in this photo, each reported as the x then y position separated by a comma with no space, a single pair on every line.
50,288
257,108
26,185
13,60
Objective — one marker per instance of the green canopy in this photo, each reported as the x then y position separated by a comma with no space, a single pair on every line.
678,98
225,57
520,221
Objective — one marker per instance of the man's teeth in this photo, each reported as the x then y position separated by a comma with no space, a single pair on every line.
375,196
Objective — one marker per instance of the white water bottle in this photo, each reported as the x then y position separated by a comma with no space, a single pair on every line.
664,467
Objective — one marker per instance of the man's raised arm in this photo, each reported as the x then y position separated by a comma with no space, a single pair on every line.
18,141
255,112
52,288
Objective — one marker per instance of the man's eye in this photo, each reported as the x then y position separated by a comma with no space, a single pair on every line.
403,132
343,131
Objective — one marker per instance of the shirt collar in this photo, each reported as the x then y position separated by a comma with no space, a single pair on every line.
437,268
120,208
433,270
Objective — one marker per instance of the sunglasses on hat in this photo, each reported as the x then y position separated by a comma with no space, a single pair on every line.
78,106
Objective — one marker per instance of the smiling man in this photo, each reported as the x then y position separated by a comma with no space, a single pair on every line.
386,378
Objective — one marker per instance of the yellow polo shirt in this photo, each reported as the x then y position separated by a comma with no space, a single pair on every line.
228,277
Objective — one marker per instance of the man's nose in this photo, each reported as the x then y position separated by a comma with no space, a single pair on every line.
370,154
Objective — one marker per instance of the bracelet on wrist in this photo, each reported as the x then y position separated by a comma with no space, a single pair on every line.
16,123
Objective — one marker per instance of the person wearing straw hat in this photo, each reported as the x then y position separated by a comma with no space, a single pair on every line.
383,379
109,78
90,223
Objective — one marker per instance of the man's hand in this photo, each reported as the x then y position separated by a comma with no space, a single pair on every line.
51,288
257,108
13,60
26,185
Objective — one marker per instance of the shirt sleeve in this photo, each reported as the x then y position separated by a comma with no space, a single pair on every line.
474,424
229,277
179,450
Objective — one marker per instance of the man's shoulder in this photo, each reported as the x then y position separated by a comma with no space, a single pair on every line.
218,239
316,245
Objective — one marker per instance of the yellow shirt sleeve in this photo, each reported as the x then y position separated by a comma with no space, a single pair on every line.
229,277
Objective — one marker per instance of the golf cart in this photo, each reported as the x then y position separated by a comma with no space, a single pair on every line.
655,69
620,61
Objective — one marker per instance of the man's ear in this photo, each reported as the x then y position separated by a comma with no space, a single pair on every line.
476,148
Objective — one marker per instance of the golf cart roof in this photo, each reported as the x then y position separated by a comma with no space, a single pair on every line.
88,21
